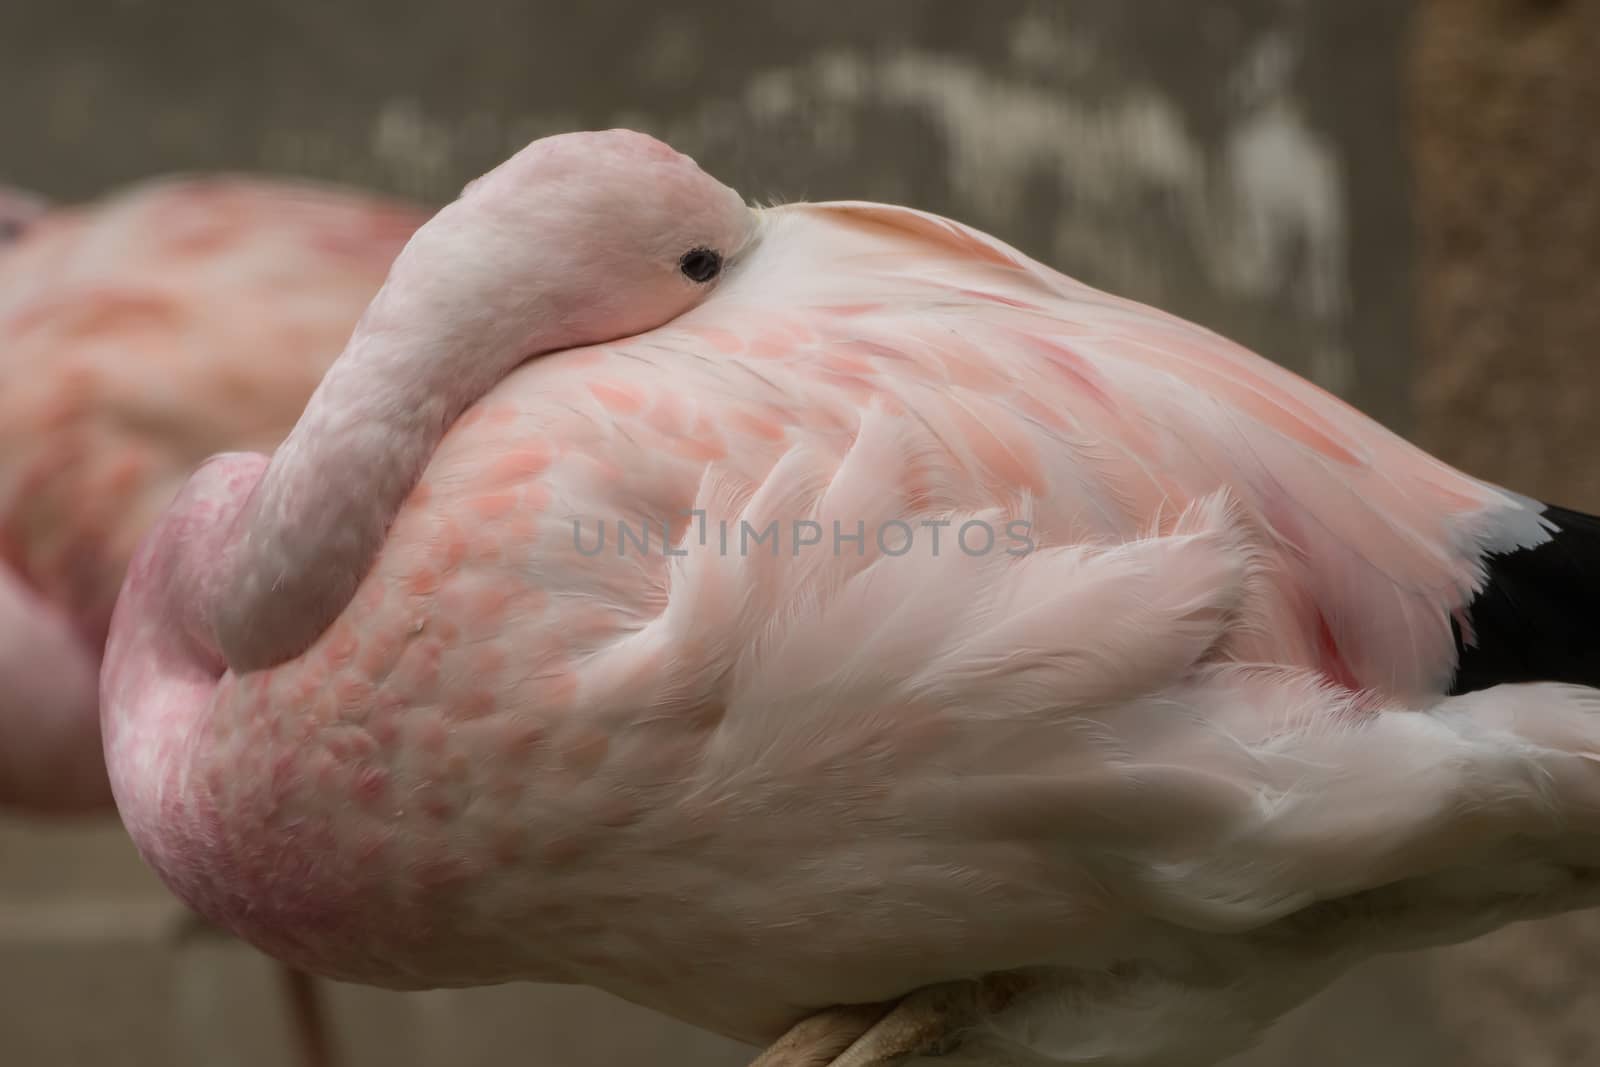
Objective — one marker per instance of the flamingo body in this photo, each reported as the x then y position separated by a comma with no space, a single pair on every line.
1169,688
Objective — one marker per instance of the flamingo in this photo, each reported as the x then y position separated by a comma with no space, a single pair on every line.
828,626
137,335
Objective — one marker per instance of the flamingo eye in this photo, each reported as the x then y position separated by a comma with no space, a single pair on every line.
700,265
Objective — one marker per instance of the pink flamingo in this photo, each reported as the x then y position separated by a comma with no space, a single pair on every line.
965,639
138,335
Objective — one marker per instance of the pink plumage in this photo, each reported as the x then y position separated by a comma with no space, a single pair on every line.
1170,693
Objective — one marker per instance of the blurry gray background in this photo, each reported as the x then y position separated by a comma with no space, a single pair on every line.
1235,162
1395,199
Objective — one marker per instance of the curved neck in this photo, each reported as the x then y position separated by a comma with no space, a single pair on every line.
309,533
480,288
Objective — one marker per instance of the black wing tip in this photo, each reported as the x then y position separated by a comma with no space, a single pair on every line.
1537,618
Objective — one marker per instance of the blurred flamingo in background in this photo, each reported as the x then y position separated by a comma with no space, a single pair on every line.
137,336
1215,686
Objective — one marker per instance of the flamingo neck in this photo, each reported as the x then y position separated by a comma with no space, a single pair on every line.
309,533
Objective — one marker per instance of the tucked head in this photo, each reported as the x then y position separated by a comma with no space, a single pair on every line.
576,240
593,235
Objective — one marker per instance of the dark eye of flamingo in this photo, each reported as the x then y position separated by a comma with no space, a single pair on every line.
700,265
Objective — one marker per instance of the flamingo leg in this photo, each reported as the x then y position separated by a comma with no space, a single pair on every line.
308,1019
310,1035
928,1022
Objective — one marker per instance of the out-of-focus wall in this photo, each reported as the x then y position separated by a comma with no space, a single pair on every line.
1507,117
1240,162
